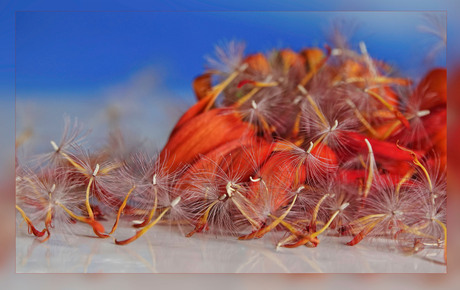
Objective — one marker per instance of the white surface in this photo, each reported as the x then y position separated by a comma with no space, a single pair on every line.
164,251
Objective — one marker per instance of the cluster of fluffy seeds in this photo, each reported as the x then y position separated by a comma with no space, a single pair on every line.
303,143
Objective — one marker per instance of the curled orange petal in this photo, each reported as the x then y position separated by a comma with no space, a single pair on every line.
202,85
434,87
258,62
201,135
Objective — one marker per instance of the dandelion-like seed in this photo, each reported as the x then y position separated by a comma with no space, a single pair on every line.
73,136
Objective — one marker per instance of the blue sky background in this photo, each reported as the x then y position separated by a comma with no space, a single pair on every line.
83,52
9,7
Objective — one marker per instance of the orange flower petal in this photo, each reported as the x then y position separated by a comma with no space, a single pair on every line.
314,57
201,135
258,62
192,112
435,82
202,85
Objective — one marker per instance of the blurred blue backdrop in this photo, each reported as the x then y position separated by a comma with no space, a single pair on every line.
83,52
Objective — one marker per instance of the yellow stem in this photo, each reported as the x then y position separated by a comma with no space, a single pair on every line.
203,219
390,130
216,90
378,80
120,210
109,168
370,168
208,210
296,127
313,104
405,178
145,229
361,160
155,204
444,228
381,100
266,84
287,225
362,119
366,218
317,110
23,214
308,77
315,212
88,206
240,208
320,139
76,165
315,234
416,231
300,164
277,220
417,162
359,224
246,97
79,218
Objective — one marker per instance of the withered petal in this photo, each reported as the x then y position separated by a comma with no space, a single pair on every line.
202,134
